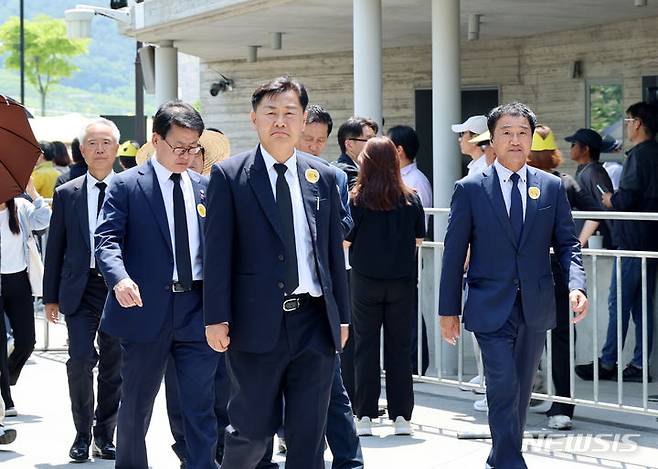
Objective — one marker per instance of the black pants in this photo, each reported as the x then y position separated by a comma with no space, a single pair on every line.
5,391
347,358
19,308
560,349
82,329
387,303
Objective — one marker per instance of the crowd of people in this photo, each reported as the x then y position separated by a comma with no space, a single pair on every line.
257,285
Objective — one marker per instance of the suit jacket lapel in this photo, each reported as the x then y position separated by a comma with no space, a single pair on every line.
200,199
310,196
531,204
491,186
81,209
148,183
260,184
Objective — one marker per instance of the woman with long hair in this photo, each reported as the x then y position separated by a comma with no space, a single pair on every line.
18,217
61,157
389,223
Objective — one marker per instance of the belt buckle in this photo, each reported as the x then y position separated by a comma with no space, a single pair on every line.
177,287
290,304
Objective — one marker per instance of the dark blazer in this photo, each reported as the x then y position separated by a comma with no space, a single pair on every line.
133,241
75,170
498,266
68,250
243,272
350,168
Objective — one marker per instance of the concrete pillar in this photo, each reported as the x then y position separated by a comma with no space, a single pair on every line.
166,72
367,26
446,110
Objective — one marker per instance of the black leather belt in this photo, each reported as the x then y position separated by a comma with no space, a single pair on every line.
294,302
177,287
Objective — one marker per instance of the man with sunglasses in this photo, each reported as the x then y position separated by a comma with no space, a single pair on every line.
467,130
149,248
352,136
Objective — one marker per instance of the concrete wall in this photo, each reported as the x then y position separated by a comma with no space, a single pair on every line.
534,70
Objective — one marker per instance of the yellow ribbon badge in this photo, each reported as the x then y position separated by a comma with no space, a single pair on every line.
534,192
202,210
312,175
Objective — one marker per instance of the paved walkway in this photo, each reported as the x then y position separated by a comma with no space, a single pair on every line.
599,439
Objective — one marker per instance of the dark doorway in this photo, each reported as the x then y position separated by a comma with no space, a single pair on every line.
474,102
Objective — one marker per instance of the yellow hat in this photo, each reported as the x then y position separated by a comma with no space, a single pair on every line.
128,148
540,143
483,137
215,145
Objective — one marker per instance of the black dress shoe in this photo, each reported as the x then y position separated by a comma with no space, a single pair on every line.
633,374
79,451
103,449
586,372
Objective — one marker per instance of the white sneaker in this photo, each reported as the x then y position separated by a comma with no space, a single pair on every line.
560,422
11,412
402,426
474,380
481,405
364,426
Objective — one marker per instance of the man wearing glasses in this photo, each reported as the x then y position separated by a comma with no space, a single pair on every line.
352,136
149,248
467,130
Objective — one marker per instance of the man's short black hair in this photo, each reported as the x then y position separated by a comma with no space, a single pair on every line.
76,154
278,86
48,150
512,109
176,113
353,128
405,137
316,114
647,113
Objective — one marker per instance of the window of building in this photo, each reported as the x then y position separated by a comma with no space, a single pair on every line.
605,112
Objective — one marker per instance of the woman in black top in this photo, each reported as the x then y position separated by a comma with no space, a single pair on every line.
389,223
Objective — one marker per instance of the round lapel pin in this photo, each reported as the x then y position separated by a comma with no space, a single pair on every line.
312,175
201,209
534,192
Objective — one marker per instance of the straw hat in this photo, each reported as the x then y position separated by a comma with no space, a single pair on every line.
215,144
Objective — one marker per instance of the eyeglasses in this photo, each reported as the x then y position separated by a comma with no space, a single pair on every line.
180,151
359,139
628,120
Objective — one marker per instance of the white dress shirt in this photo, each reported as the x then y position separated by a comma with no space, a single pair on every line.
415,179
92,207
477,166
506,184
306,270
193,233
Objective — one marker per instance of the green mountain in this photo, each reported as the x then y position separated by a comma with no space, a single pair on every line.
105,82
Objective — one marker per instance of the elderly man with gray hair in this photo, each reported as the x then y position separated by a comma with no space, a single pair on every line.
73,285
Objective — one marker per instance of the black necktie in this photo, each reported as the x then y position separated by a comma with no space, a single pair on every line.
516,208
183,262
284,202
101,196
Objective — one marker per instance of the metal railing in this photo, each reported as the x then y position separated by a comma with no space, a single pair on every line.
443,353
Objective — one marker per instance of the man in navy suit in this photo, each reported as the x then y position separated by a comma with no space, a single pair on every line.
510,215
149,247
275,286
73,285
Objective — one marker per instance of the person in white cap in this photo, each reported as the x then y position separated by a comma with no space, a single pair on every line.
470,128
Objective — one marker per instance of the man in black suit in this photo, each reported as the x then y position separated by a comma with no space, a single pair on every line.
73,285
352,136
275,292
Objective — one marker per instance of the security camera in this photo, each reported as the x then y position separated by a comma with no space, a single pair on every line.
222,85
78,22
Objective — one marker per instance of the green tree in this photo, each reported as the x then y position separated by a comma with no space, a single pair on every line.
48,52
